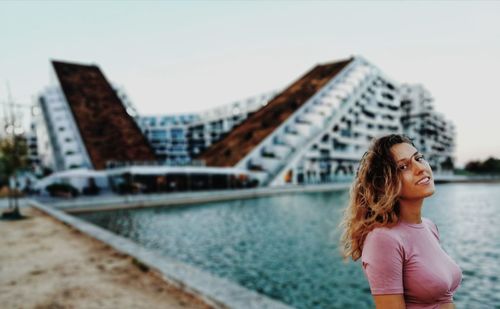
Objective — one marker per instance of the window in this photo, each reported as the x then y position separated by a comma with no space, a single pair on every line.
388,96
367,113
345,133
158,134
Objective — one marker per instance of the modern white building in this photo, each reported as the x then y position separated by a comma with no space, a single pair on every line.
318,128
59,143
432,134
87,133
168,135
32,147
211,125
176,139
85,122
314,131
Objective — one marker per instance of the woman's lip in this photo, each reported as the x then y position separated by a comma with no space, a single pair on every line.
425,182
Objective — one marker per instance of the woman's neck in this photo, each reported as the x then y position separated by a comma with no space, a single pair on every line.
410,211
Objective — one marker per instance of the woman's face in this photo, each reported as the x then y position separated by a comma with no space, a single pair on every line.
417,181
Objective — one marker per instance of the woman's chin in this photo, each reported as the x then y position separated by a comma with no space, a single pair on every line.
420,195
430,191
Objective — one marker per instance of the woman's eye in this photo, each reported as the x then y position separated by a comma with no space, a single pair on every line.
403,167
420,158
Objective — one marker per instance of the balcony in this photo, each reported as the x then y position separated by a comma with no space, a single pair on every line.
311,118
279,151
292,140
304,129
266,164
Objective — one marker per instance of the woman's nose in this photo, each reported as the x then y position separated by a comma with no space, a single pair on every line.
419,167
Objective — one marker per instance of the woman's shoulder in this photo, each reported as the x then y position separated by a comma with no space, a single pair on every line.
428,221
385,235
382,241
432,226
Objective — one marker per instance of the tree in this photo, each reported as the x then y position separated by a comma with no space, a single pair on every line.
13,158
489,166
13,151
473,166
448,164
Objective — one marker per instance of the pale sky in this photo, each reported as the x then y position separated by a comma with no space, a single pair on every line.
174,57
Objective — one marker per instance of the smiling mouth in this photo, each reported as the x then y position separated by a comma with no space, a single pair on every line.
424,181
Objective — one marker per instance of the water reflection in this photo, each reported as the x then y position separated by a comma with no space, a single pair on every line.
287,246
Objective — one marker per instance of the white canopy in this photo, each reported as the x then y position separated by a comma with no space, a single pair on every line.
69,175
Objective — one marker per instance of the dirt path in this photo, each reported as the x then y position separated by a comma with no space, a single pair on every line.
45,264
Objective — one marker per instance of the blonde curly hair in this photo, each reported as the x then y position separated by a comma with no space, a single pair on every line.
374,194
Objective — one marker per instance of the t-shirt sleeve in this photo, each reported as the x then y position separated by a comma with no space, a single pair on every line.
382,259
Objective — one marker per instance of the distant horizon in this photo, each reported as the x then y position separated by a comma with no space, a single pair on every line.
177,57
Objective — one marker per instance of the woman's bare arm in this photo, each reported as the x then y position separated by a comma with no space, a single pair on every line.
389,301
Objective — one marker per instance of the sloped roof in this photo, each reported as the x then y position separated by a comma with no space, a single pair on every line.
107,130
242,139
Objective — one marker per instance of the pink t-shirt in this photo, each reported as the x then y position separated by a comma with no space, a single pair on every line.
408,259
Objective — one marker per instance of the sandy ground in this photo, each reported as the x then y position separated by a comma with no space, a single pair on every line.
46,264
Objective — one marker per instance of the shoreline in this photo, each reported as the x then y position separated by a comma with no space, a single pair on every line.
211,290
118,202
111,201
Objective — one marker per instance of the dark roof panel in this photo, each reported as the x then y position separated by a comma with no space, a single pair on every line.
247,135
108,131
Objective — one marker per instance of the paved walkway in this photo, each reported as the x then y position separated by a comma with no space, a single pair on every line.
46,264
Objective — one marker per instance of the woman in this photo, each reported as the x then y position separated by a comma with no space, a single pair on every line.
399,249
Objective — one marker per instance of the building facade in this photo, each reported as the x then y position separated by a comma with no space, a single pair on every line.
213,124
168,135
314,131
82,121
32,147
432,134
177,139
318,128
60,146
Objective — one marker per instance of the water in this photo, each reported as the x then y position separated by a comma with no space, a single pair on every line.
287,246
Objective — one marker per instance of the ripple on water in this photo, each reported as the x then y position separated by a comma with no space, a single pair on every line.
467,272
